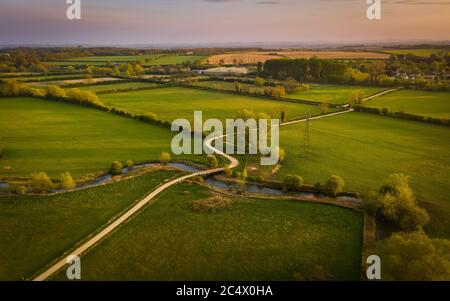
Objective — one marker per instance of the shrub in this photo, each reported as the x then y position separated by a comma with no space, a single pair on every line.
129,164
213,162
228,171
293,182
18,189
259,81
67,181
152,117
164,158
334,185
40,182
212,204
116,168
55,92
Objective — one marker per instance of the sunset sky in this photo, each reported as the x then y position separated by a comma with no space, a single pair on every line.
221,21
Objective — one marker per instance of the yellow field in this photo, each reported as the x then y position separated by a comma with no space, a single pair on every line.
253,57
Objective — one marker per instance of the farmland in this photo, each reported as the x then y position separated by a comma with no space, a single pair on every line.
335,94
118,86
36,230
253,57
41,135
428,104
253,240
422,52
172,103
154,59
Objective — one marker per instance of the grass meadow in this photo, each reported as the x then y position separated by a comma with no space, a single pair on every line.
42,135
424,103
364,149
252,240
172,103
36,230
333,94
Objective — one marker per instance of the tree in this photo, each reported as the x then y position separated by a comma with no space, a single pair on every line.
116,168
396,203
356,97
307,134
375,70
414,256
259,67
164,158
293,182
283,116
281,155
259,81
67,181
290,85
40,182
324,107
279,91
138,69
334,185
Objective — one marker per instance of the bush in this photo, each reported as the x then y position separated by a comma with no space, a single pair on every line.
2,151
212,204
116,168
67,182
213,162
293,182
165,158
334,185
40,182
55,92
129,164
228,171
414,256
152,117
18,189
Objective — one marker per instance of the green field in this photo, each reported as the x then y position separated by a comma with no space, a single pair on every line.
51,77
229,86
118,86
334,94
41,135
172,103
364,149
423,52
36,230
424,103
254,240
152,59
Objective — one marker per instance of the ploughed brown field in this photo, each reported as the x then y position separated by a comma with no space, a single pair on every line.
253,57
